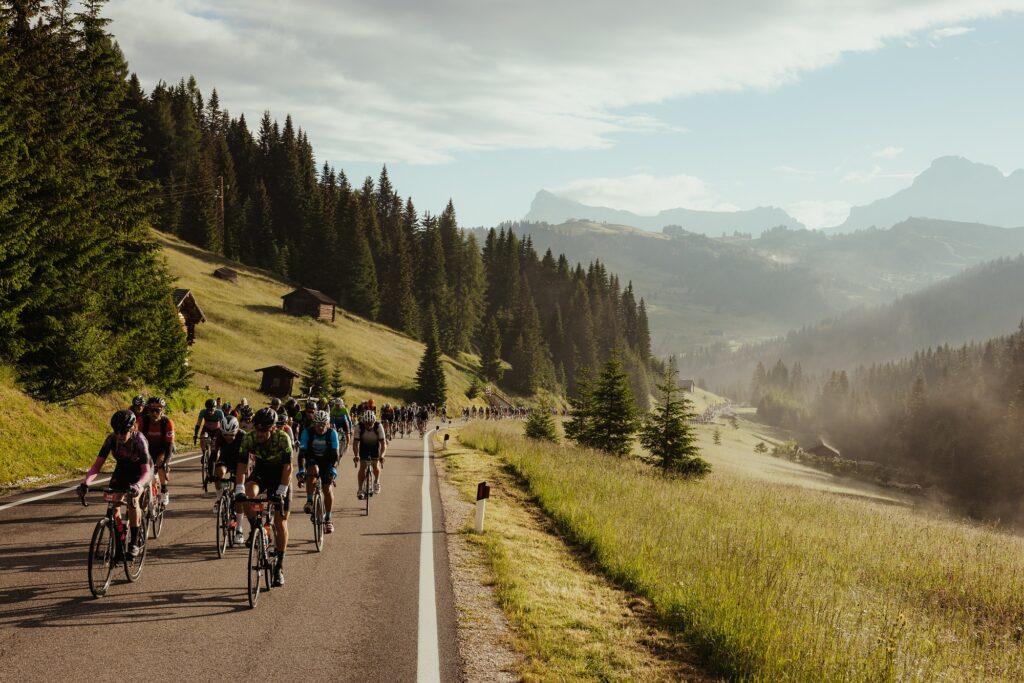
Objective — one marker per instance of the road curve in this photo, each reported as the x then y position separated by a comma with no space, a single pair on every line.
352,612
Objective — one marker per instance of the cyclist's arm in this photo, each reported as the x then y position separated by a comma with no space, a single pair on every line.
382,442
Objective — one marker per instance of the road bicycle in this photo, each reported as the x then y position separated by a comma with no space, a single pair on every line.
318,515
369,480
152,503
109,545
261,539
226,524
205,465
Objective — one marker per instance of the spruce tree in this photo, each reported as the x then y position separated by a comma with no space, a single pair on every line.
490,352
431,386
361,293
335,383
315,377
667,434
604,415
580,426
540,425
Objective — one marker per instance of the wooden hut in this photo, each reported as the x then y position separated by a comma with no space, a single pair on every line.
277,380
226,273
306,301
823,450
687,385
189,312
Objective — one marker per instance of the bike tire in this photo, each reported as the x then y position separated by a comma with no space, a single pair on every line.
368,487
257,556
223,530
158,518
318,520
133,568
102,551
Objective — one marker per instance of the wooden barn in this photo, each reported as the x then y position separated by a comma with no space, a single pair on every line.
189,312
687,385
277,380
823,450
226,273
306,301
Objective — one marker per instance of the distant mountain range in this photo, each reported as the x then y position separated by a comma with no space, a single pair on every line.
550,208
952,188
702,290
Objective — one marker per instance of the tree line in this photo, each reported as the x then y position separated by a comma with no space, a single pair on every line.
85,300
261,198
952,417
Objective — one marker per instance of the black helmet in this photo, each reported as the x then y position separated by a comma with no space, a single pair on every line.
139,401
282,419
265,418
122,421
226,407
156,401
290,402
210,403
246,413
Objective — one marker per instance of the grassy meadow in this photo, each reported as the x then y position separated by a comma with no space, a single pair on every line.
775,582
245,329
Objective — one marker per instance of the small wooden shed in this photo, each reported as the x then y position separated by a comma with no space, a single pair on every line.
306,301
823,450
277,380
687,385
189,312
226,273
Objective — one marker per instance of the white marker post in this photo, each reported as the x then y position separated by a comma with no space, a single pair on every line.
483,492
445,447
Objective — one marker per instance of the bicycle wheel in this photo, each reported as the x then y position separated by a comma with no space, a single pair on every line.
368,487
318,519
158,518
223,531
257,556
101,558
133,568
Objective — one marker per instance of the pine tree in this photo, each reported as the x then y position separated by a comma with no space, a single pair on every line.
580,427
666,432
361,293
474,389
490,352
315,377
540,425
615,415
716,437
431,385
335,383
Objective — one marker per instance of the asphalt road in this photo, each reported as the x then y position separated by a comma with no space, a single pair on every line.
351,613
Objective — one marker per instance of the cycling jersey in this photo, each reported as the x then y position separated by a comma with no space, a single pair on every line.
159,435
134,465
340,420
316,445
212,419
276,452
369,441
229,452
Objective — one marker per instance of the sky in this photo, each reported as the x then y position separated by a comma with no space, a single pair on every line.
644,106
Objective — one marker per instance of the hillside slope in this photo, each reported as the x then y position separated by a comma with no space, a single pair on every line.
245,329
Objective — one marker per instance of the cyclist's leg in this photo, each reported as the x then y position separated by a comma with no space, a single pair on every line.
376,474
252,489
312,472
328,473
281,525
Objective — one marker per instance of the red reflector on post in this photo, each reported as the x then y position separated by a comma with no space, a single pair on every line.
483,491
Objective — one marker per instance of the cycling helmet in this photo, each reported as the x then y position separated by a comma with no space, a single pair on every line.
290,402
226,407
338,403
246,412
282,419
139,401
370,404
275,403
156,401
311,403
210,403
244,402
122,421
230,426
322,417
368,417
265,418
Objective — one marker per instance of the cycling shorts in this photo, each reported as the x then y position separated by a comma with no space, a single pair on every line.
324,464
371,452
124,476
268,479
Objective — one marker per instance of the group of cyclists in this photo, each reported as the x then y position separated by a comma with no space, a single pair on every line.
254,450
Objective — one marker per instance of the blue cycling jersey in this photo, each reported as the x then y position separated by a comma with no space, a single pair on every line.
319,444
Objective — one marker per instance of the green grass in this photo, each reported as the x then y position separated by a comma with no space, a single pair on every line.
245,329
781,583
568,622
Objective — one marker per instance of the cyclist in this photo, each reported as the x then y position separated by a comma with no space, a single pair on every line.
319,449
210,419
132,473
369,446
269,451
341,421
159,432
387,418
138,407
245,419
421,419
229,444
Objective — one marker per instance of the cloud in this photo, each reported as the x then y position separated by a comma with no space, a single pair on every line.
819,214
423,81
948,32
645,194
793,170
889,152
875,173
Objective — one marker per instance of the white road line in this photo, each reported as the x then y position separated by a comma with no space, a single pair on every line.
428,662
41,496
